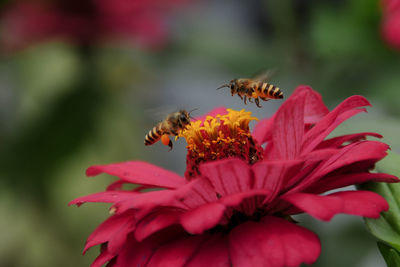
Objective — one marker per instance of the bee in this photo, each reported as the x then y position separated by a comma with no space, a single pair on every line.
171,125
257,88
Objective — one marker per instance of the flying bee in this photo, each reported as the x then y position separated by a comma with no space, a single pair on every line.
257,88
171,125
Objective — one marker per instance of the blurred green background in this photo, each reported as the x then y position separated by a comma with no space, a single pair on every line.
68,102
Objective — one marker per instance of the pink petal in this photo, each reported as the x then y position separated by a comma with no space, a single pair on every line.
245,202
138,172
238,198
370,151
319,155
212,253
390,6
202,218
262,130
228,176
304,177
196,193
321,207
336,142
105,197
361,203
314,111
391,29
110,228
213,113
118,240
288,129
112,263
139,253
176,253
320,129
343,180
156,221
272,175
115,186
272,242
145,201
363,150
341,118
104,257
314,108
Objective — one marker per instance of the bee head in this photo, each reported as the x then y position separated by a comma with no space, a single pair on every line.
184,117
230,85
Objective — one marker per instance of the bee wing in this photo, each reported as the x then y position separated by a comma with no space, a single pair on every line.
265,75
159,113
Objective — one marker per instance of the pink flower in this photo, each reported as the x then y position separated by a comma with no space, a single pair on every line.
391,23
142,21
391,29
390,5
234,208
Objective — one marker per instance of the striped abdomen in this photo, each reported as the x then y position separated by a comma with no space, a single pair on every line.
267,90
154,135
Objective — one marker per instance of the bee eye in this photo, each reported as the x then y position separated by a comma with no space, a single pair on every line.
183,118
232,86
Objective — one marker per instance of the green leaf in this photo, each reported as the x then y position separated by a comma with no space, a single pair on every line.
387,227
391,256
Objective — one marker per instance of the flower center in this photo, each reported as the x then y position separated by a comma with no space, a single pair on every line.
220,137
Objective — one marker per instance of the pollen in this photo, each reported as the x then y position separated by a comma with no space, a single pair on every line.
165,139
220,137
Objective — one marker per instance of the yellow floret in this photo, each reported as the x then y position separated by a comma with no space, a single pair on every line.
219,137
209,131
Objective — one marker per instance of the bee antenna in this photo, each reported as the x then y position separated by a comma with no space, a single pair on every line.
191,112
222,86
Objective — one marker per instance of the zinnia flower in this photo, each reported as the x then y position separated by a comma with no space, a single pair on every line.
391,23
85,22
236,204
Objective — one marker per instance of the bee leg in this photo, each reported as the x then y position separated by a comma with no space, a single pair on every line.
250,100
241,97
170,145
245,100
258,102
